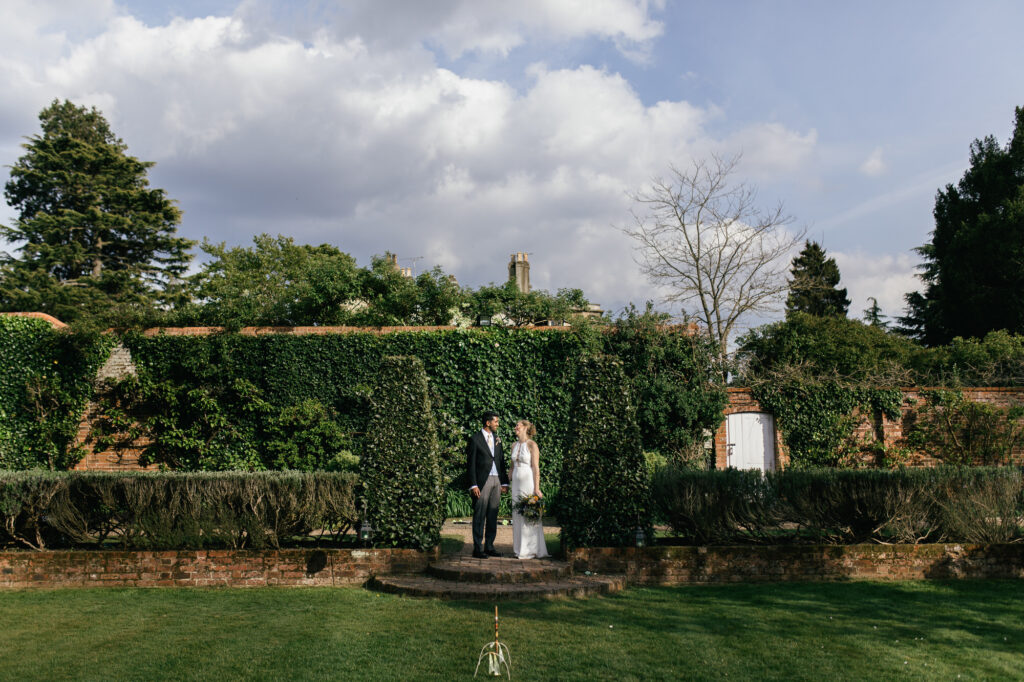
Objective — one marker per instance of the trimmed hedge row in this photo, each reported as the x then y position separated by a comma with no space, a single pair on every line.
46,379
945,504
47,510
228,401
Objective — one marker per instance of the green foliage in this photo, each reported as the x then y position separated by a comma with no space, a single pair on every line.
955,430
604,475
827,347
510,306
972,265
96,241
400,471
211,402
713,507
274,282
47,510
676,378
946,504
46,379
813,287
817,417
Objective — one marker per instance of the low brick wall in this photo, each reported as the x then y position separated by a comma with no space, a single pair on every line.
206,568
807,563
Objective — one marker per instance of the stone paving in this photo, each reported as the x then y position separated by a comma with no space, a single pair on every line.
458,575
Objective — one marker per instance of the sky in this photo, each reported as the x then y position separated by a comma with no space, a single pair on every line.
456,132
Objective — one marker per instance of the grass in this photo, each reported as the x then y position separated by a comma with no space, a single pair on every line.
840,631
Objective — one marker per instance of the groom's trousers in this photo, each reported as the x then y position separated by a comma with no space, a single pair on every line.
485,515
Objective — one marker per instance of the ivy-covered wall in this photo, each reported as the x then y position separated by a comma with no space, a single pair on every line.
233,401
46,379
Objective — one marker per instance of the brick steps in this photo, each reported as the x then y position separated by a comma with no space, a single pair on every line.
498,579
498,570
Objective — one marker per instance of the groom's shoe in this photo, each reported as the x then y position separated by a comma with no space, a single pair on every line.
491,552
479,555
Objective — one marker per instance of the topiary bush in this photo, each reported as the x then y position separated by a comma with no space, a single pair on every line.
603,490
405,499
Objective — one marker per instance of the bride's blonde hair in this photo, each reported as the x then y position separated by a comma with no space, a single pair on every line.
531,430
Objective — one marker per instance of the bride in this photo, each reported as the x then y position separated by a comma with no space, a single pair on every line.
527,536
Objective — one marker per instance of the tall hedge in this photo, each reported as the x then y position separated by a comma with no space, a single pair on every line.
604,492
220,401
46,379
400,472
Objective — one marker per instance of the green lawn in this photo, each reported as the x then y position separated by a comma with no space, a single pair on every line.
849,631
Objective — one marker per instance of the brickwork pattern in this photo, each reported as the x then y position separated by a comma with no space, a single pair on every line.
206,568
870,427
683,565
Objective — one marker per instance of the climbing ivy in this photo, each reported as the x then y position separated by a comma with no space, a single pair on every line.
818,416
46,379
212,402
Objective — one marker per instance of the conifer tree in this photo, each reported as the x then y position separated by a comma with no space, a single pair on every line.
813,288
94,238
972,270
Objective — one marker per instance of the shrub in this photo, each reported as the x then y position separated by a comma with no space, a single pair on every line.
982,505
959,431
713,507
603,488
172,510
404,495
840,506
945,504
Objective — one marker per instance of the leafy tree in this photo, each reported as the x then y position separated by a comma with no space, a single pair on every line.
826,347
274,282
522,309
973,268
439,298
389,297
676,379
813,287
97,241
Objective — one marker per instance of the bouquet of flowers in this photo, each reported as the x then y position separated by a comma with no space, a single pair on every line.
531,507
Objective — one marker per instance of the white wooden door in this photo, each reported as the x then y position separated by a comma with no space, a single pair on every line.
751,440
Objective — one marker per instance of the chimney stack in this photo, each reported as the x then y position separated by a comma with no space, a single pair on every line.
519,271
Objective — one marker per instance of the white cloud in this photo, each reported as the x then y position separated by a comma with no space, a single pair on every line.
771,148
340,137
874,165
886,277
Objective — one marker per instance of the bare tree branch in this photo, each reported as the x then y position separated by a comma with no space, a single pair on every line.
707,242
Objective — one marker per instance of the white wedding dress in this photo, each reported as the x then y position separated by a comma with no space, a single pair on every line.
527,536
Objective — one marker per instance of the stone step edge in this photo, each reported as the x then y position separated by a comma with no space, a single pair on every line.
513,576
421,586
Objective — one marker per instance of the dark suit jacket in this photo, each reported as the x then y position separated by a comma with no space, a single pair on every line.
478,460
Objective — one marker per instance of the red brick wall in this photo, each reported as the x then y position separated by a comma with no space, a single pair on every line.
871,427
206,568
741,400
799,563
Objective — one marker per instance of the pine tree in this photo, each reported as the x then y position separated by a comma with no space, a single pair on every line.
873,314
813,287
972,269
95,238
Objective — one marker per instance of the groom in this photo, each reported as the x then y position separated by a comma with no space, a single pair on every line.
488,479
